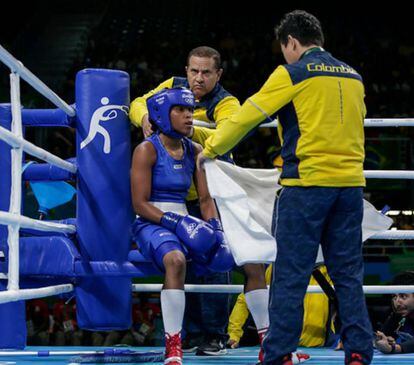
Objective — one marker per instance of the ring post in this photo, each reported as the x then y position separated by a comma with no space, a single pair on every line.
104,208
12,315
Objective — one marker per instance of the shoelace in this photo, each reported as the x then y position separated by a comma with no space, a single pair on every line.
295,358
173,344
299,357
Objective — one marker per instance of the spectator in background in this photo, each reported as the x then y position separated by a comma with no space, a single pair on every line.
397,333
143,315
65,328
37,321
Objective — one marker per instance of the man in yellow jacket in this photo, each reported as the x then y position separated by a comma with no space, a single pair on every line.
214,104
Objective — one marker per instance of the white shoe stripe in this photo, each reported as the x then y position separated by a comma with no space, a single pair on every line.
174,358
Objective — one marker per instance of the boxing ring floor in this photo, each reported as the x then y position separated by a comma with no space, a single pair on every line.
241,356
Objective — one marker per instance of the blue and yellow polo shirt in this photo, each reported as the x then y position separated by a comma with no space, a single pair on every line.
319,102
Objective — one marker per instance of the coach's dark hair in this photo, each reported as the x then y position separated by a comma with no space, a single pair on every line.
299,24
205,51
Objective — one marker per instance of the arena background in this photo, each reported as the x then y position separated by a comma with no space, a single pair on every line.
150,40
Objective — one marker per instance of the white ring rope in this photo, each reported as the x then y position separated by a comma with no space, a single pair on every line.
236,289
33,150
22,294
26,222
389,122
394,235
17,67
16,181
389,174
369,122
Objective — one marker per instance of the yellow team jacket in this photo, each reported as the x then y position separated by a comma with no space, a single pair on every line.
319,102
315,317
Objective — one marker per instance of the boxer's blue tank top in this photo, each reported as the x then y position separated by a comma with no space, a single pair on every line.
171,178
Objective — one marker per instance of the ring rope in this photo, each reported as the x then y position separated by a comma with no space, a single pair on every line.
17,67
16,181
388,122
33,150
236,289
26,222
397,234
23,294
368,122
389,174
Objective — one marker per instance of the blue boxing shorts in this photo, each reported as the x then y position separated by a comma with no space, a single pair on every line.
154,241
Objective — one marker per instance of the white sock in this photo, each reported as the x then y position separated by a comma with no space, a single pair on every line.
172,307
258,303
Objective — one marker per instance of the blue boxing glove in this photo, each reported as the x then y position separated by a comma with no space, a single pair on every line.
197,235
218,229
221,258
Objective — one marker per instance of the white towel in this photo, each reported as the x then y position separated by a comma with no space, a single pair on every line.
245,198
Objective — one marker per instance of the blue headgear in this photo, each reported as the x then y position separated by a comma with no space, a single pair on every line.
159,106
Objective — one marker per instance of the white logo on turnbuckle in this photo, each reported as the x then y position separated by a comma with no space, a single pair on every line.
98,116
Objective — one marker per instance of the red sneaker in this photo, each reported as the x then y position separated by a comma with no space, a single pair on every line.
299,357
173,351
261,333
355,359
292,359
295,358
